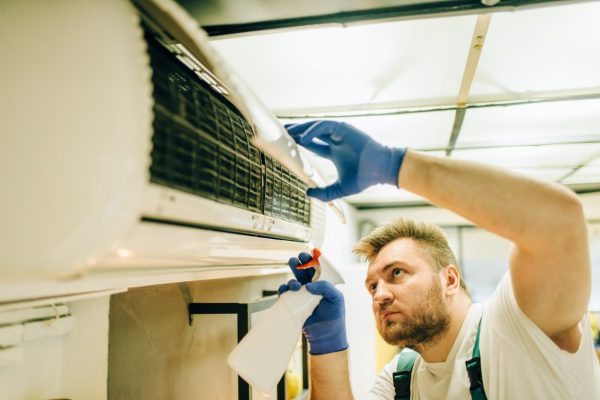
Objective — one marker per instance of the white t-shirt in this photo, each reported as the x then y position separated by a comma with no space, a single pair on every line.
518,361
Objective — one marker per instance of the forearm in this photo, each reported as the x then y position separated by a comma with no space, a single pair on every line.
329,376
530,213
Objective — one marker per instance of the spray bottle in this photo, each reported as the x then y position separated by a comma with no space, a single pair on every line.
263,354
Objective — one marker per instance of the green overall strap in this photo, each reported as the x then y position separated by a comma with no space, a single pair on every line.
401,377
474,371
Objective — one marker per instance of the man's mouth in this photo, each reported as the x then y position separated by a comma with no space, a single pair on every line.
387,315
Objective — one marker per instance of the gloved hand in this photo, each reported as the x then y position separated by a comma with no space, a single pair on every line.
325,329
360,161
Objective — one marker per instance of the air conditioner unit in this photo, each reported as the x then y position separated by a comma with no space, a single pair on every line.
125,144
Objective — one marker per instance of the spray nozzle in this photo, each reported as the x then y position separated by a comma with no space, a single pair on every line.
314,263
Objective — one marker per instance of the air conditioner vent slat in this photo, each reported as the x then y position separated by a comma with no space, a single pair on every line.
203,146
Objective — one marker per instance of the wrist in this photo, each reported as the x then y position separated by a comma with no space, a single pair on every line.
327,337
394,164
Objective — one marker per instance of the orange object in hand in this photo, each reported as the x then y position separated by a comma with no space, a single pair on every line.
312,263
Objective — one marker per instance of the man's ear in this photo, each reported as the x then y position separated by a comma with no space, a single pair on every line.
451,279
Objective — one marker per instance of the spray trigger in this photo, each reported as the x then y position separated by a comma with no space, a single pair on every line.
314,263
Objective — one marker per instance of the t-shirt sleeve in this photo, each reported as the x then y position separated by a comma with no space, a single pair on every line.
505,318
383,387
529,360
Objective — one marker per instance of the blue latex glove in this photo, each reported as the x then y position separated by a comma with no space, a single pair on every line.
360,161
325,329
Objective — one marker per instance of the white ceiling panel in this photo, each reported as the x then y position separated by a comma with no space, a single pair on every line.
531,123
381,194
584,175
532,156
545,49
594,163
417,130
387,62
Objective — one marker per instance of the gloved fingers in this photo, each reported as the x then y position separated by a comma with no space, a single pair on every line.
304,133
304,257
321,149
282,289
294,285
302,275
296,130
328,193
294,262
325,289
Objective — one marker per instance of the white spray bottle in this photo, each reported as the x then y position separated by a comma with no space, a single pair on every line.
262,356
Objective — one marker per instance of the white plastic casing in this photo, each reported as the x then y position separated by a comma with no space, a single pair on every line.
76,125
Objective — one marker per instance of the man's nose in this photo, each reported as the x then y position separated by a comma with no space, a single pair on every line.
382,293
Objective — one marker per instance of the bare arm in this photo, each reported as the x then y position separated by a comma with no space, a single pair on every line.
329,377
549,262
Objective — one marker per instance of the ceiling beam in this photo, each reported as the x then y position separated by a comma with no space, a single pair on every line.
362,206
480,146
459,117
406,11
375,109
477,42
577,168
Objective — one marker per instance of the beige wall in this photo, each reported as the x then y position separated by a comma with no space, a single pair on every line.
155,354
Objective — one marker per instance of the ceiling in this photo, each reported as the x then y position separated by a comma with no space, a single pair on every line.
517,87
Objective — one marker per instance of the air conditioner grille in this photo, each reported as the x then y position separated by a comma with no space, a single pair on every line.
285,194
202,145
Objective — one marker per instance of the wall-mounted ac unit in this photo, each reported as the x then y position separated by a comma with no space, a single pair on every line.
121,147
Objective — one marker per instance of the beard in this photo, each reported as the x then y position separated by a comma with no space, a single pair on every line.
422,327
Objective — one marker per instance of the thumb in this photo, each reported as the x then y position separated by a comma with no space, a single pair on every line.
328,193
325,289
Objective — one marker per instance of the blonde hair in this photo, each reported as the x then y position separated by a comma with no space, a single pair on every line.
430,238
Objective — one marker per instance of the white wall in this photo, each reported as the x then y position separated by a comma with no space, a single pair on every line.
71,366
339,241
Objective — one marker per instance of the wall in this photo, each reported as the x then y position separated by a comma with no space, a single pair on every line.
339,241
155,354
72,366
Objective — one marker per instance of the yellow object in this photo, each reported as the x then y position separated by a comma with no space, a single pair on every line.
384,352
293,384
594,325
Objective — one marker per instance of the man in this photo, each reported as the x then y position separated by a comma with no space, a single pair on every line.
533,334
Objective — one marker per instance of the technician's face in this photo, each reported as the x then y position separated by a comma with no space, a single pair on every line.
408,303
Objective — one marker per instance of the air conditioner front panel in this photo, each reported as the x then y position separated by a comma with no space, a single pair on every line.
169,206
76,101
156,245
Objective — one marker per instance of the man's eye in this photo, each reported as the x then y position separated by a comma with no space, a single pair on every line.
372,287
397,272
